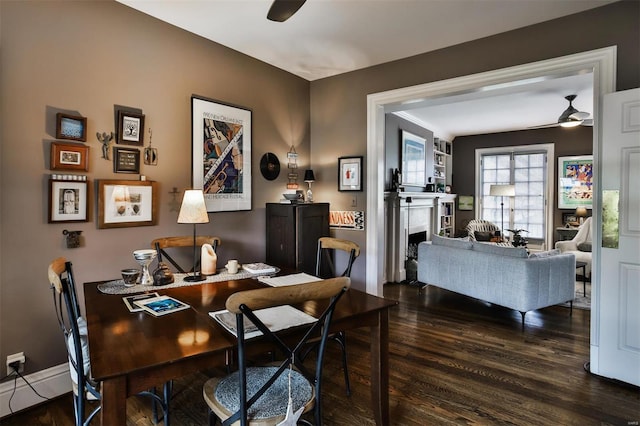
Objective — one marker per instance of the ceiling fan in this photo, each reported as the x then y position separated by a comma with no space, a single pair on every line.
570,117
281,10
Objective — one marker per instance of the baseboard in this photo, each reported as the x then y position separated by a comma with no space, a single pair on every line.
49,383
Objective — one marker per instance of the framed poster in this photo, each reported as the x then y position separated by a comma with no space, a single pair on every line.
130,128
126,160
67,201
68,156
414,160
221,154
465,202
575,182
71,127
125,203
350,173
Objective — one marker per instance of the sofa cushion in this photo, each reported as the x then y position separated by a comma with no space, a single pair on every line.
483,236
500,250
462,243
541,254
586,246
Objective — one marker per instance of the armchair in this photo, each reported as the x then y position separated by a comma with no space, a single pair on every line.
483,226
580,245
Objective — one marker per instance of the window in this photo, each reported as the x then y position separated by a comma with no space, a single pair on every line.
526,168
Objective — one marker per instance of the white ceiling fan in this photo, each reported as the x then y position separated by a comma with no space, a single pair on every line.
570,117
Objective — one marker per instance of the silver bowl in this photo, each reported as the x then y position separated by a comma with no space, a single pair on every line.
291,197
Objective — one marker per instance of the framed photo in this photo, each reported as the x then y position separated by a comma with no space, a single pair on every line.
126,160
69,156
465,202
221,154
71,127
350,173
125,203
575,182
130,128
68,201
570,219
414,160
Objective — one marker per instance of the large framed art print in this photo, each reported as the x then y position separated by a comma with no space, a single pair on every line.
221,154
575,182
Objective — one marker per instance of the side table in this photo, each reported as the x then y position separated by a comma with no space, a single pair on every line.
583,265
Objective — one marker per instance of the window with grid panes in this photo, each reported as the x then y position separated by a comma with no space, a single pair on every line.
527,171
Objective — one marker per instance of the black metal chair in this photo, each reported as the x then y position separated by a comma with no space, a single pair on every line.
73,326
325,267
265,394
178,243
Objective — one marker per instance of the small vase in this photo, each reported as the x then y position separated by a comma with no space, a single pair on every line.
208,260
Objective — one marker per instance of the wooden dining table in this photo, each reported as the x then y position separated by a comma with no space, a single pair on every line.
135,351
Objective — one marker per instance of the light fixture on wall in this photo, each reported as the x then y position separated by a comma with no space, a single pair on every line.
581,213
193,210
309,178
502,191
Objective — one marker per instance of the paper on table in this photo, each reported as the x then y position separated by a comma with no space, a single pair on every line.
292,279
276,318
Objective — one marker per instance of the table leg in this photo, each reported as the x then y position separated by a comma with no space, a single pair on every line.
380,368
114,402
584,280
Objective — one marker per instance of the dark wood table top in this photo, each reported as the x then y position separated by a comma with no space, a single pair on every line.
122,342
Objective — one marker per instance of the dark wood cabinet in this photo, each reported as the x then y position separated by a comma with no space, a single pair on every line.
292,234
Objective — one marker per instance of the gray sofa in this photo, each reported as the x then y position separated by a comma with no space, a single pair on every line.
502,275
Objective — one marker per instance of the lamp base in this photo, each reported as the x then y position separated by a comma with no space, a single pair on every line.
195,278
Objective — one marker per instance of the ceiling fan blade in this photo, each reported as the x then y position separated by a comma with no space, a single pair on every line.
281,10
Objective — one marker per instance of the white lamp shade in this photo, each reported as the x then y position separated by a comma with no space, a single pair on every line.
193,209
502,190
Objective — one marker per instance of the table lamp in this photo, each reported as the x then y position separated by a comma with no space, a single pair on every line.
581,213
193,210
309,177
502,191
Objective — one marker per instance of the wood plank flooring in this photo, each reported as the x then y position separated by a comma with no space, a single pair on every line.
453,360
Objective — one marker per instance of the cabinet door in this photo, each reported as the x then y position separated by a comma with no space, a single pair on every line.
312,223
281,236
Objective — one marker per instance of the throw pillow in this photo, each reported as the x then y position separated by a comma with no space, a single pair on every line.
462,243
540,254
584,246
483,236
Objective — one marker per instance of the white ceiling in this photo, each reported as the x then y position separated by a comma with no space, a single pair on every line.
330,37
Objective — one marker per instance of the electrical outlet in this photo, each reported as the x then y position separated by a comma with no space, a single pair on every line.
354,201
17,357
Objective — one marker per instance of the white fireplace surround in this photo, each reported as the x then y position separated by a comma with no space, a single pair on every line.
404,218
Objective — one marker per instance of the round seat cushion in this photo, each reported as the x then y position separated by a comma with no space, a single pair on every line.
274,401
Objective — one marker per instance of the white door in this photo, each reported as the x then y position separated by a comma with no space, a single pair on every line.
617,327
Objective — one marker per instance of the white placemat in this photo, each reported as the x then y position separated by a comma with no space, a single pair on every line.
117,286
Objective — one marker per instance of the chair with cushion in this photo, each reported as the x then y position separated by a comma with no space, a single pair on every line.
178,244
74,327
325,267
267,395
481,230
580,245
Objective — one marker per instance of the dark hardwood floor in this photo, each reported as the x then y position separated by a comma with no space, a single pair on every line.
453,360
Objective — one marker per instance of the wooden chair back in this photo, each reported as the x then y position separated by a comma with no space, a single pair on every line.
324,261
181,242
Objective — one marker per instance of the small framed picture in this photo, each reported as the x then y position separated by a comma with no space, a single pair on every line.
126,160
71,127
350,173
67,201
125,203
465,202
69,157
130,128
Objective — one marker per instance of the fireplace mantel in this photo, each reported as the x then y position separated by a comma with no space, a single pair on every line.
408,213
